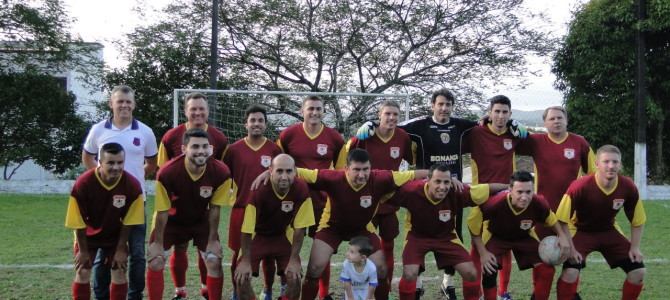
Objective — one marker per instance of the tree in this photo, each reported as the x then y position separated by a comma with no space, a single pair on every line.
379,46
595,70
38,123
352,46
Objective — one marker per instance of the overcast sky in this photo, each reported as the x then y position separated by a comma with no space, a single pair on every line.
105,21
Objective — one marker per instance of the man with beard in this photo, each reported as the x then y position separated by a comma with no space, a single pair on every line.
247,158
196,110
190,191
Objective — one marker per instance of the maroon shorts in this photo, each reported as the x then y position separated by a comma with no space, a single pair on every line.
272,248
333,238
613,245
387,226
180,234
447,252
525,250
318,203
235,228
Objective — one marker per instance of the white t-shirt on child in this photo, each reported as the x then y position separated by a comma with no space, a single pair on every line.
359,281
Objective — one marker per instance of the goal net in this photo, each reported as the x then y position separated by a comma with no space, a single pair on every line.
343,111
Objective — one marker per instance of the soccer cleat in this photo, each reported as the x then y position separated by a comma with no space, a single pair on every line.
203,293
419,293
505,296
449,292
328,297
179,297
265,296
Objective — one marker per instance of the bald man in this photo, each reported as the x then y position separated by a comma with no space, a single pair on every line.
274,213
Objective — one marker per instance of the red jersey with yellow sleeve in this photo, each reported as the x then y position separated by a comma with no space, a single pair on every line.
492,154
104,209
271,214
246,163
170,146
592,208
434,218
557,163
506,222
349,209
187,197
311,152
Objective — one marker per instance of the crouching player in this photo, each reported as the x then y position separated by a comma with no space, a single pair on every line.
190,190
431,210
510,216
589,207
103,204
274,226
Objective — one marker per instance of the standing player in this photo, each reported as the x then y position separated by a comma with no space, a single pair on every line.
589,208
511,216
104,204
313,146
139,144
274,227
196,110
431,207
247,158
559,156
387,148
492,151
190,190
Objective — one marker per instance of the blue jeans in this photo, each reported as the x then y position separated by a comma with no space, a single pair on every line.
136,267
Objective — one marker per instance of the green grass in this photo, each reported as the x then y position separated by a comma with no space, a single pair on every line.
33,234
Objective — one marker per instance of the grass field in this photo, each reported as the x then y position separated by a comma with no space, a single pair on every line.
35,256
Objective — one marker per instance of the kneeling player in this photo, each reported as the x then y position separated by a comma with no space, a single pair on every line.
190,191
589,207
510,216
103,204
275,212
431,207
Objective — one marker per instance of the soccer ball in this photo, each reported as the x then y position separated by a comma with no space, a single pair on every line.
549,251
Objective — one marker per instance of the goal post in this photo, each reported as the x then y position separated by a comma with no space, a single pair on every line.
343,111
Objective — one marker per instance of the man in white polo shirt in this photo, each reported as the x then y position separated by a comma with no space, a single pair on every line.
139,143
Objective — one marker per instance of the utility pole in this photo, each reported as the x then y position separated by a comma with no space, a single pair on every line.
214,46
640,101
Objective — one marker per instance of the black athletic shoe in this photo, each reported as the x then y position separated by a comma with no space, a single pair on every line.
449,292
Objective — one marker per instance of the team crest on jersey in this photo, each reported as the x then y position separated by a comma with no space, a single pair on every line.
136,141
617,203
366,201
266,160
445,215
526,224
118,201
395,152
507,143
286,206
205,191
322,149
445,138
569,153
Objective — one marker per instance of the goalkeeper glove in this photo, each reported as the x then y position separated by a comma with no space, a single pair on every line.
517,129
366,130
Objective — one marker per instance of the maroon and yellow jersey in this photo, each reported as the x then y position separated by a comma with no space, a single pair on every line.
591,208
246,163
431,218
271,214
557,163
349,209
171,142
384,155
187,197
104,209
505,222
311,152
492,154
